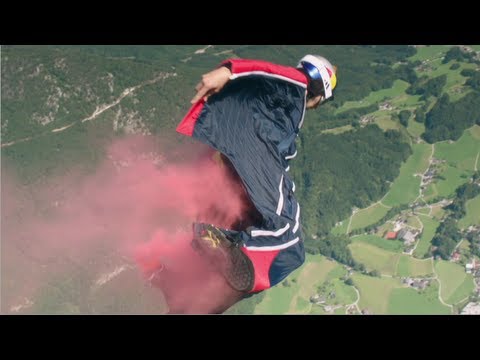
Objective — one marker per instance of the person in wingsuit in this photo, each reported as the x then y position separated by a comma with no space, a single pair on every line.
250,112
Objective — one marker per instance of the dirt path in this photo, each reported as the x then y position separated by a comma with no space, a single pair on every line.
440,287
420,192
418,241
356,301
350,221
99,110
202,51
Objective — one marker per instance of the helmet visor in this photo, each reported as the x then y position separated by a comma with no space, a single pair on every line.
319,74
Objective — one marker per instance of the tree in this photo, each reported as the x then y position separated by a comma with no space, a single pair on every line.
407,73
474,81
427,87
448,120
375,273
455,53
404,115
336,247
467,72
446,238
419,115
338,172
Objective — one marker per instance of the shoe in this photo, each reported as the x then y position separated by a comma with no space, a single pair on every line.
224,255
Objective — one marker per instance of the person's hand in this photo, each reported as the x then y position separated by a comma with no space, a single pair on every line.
211,83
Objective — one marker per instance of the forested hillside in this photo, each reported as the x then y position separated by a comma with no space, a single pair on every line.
397,145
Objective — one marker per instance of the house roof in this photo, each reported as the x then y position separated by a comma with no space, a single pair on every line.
391,235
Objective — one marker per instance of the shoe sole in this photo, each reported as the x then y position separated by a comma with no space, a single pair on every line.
226,258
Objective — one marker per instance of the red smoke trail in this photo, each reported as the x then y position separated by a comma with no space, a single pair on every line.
137,205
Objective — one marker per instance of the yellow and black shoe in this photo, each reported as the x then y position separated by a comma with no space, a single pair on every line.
224,255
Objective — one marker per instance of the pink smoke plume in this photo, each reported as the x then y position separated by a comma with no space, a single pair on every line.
138,204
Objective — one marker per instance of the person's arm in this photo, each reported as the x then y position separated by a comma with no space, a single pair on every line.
211,83
230,69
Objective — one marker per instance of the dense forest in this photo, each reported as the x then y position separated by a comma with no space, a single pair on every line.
339,172
474,239
458,54
463,193
448,120
447,234
446,238
428,87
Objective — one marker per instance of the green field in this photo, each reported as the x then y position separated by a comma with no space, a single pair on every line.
464,245
410,301
415,128
445,188
438,212
368,216
429,227
390,245
423,211
338,130
430,192
317,310
375,258
456,92
285,299
339,311
407,102
409,266
462,152
403,267
405,187
453,76
345,294
385,122
463,291
473,213
317,273
460,156
432,56
429,52
414,222
341,229
374,292
475,132
302,306
336,273
277,300
456,284
398,88
341,294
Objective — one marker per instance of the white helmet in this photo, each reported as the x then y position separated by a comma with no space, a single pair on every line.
319,68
